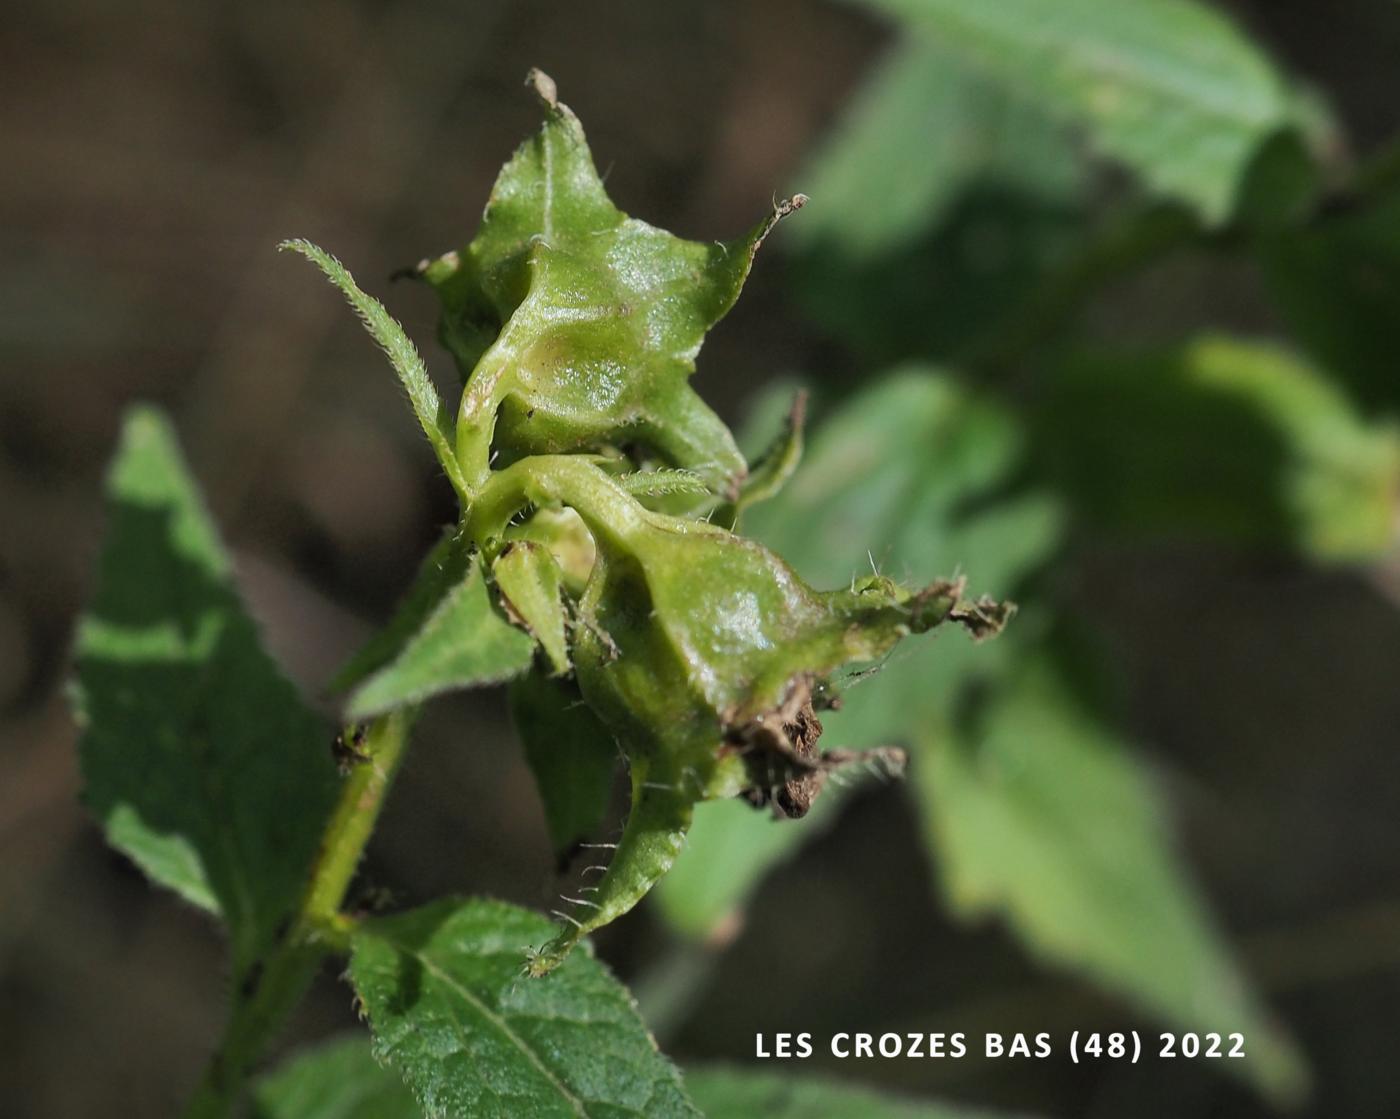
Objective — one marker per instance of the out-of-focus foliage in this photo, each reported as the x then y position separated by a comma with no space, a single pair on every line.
732,1093
1032,811
1337,284
921,248
1038,815
336,1080
1169,87
1221,438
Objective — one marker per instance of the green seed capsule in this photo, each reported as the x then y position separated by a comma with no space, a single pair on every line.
704,654
576,327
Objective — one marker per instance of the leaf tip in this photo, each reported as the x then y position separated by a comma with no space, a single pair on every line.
312,252
144,424
781,208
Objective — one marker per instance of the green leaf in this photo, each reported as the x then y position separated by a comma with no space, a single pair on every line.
1169,87
531,588
923,130
572,755
462,643
446,566
1337,284
941,202
1039,816
336,1080
197,755
435,420
740,1093
1232,439
449,1008
909,142
576,326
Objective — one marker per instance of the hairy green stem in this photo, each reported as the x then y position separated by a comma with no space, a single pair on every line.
317,928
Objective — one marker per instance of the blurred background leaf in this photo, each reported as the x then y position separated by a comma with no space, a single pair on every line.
733,1093
942,198
1337,286
1169,87
1039,816
337,1079
1227,439
1031,812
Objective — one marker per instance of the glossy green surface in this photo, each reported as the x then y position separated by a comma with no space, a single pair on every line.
699,650
576,326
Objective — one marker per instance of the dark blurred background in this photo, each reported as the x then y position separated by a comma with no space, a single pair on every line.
155,152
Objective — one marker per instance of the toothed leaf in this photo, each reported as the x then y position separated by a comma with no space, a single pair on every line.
198,757
449,1009
463,643
1224,439
1170,87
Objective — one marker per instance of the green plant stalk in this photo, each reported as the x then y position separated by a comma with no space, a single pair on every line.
317,928
610,512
